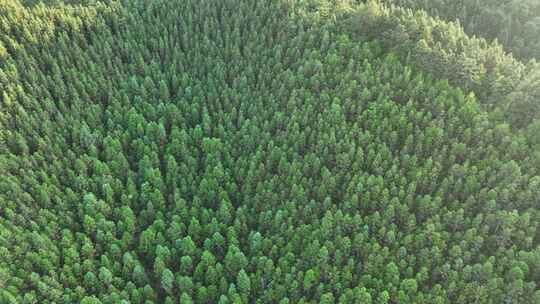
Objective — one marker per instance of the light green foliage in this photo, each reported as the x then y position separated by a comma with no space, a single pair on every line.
243,282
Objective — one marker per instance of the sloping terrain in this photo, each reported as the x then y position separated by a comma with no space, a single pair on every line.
513,23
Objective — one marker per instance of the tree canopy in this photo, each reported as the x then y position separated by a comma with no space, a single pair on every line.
247,151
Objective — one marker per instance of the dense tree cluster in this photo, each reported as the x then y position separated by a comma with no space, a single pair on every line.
508,87
514,23
247,151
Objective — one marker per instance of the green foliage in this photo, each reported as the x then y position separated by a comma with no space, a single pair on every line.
515,23
242,151
90,300
243,283
444,50
167,280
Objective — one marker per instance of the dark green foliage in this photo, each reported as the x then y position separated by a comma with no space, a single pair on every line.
246,151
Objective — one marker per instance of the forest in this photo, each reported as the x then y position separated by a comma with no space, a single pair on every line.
274,151
513,23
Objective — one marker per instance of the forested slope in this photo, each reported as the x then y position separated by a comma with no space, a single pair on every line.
507,87
247,151
513,23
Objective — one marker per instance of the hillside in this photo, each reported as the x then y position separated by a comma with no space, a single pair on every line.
513,23
247,151
507,87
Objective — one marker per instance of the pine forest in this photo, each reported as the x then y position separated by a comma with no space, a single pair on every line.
269,151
